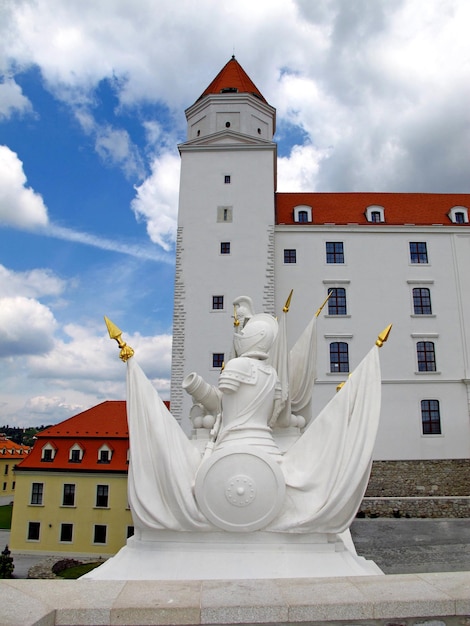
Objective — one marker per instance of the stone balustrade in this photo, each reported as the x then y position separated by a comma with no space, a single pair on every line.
438,599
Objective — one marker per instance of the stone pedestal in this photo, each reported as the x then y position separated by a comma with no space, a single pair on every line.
166,555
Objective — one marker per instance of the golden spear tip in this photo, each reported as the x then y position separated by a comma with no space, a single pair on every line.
116,333
236,321
287,304
113,331
382,338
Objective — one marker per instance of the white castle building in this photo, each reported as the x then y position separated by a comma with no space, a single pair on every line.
400,258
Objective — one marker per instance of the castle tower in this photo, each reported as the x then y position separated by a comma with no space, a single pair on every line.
225,240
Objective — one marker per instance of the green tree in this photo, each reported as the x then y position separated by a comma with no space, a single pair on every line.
6,564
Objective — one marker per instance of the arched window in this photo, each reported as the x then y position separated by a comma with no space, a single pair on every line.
339,357
431,417
426,356
375,214
303,214
337,301
458,215
422,301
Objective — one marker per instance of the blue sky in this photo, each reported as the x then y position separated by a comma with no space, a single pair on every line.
370,95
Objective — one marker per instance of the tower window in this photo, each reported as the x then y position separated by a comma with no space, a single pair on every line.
431,417
225,247
418,252
334,252
227,124
426,356
224,213
290,256
422,301
339,357
337,301
217,302
227,179
217,359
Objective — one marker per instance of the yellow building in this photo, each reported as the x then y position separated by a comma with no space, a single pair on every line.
11,453
71,491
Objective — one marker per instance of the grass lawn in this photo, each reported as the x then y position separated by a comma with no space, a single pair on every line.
5,516
78,570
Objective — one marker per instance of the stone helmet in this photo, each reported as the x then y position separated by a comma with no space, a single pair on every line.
257,337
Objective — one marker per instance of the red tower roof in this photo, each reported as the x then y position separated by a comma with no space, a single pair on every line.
232,78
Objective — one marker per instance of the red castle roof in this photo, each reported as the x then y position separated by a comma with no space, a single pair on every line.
232,77
349,208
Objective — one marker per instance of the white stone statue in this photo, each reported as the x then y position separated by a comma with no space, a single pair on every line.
243,483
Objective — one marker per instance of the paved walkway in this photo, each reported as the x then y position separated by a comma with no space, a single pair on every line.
398,546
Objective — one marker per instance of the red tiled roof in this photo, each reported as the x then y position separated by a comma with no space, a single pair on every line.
12,450
105,423
349,208
232,76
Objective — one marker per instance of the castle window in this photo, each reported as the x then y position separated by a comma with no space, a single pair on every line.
290,256
33,531
375,214
224,214
130,532
426,356
99,533
37,490
458,215
431,417
75,454
334,252
339,357
337,301
68,497
422,301
227,179
418,252
225,247
66,533
102,496
303,214
227,124
217,302
217,359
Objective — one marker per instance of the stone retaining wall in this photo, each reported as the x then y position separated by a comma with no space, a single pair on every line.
436,488
415,507
449,477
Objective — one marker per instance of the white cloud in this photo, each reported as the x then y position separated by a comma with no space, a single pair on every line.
12,99
30,284
115,146
156,200
26,327
20,206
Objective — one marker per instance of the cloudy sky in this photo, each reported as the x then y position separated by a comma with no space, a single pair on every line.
370,95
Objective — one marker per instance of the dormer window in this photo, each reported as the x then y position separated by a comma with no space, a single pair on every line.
48,453
104,454
458,215
75,454
229,90
303,214
375,214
